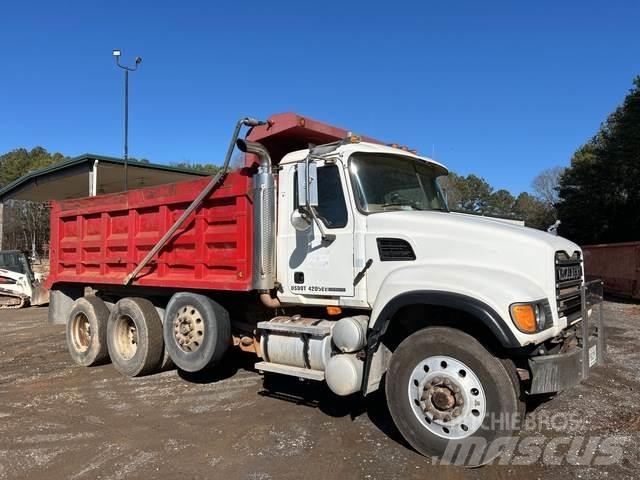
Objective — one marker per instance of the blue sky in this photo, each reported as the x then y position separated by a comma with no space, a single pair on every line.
501,89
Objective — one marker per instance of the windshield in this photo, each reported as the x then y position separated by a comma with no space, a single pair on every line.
385,182
14,261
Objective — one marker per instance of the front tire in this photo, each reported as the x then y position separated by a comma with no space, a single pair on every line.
445,389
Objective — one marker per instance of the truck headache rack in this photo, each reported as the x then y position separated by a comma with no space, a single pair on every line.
554,373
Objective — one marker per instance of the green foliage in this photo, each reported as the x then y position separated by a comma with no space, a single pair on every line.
501,203
472,194
198,167
18,162
467,194
139,160
535,212
600,192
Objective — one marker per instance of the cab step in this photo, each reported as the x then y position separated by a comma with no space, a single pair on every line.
317,375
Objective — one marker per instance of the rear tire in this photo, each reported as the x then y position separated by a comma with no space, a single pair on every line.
445,389
134,337
87,331
197,331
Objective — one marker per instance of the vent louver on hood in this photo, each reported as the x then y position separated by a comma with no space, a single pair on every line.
394,249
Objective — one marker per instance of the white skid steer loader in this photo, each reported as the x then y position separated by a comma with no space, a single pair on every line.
19,287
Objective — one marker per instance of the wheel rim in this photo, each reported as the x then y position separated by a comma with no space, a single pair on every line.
188,328
447,397
126,336
81,332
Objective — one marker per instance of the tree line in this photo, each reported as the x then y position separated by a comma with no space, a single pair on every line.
596,199
473,194
599,194
25,224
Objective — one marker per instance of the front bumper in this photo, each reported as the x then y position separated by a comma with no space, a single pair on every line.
556,372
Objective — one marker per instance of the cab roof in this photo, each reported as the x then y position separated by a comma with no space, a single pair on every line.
349,148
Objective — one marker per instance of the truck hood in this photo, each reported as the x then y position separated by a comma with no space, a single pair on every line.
461,228
474,242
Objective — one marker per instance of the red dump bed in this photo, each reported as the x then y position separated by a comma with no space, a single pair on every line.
99,240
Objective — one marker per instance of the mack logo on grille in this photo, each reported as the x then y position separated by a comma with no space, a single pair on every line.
573,272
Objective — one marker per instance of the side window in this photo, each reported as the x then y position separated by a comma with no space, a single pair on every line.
332,209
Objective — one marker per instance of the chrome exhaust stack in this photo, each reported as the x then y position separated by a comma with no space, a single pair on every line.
264,217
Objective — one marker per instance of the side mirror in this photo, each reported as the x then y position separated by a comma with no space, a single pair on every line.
307,184
308,199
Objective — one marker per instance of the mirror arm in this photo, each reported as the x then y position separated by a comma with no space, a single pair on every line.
326,237
306,187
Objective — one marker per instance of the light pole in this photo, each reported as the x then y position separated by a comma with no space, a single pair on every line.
117,54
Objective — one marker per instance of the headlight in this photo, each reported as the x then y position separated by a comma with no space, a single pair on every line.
531,317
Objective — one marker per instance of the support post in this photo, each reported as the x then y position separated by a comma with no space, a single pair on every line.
1,221
585,331
93,179
126,129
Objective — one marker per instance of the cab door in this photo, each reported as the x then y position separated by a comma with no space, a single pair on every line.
317,267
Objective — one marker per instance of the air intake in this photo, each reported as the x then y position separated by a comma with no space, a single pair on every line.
395,250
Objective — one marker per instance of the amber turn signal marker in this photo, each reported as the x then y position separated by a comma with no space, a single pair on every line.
524,316
334,311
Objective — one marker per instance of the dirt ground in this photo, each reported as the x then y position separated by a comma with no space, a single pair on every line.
59,420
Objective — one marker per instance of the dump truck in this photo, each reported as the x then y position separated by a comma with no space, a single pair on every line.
333,258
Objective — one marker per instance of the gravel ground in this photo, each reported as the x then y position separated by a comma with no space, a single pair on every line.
59,420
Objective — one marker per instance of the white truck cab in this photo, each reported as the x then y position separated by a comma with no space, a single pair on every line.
463,314
383,205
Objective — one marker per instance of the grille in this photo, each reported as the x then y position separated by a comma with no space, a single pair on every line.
568,283
394,249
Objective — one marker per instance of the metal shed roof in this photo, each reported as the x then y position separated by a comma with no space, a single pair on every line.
73,178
